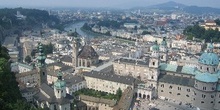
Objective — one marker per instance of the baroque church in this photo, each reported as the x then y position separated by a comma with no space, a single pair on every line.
54,98
198,86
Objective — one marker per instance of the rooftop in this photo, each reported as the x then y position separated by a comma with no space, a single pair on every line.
110,77
176,80
206,77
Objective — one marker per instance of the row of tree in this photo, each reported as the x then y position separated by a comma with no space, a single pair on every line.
201,33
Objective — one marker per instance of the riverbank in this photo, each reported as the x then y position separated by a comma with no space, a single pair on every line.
96,35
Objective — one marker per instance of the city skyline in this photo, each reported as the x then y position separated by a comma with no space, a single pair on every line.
102,3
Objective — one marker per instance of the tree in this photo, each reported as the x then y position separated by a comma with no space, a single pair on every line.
48,49
118,94
217,21
145,32
28,59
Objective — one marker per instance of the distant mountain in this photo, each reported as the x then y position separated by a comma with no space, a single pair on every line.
174,6
170,4
201,10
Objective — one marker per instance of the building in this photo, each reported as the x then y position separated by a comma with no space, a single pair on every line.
86,57
210,24
43,95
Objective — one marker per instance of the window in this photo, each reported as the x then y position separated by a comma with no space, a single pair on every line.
212,96
43,73
218,101
202,101
161,90
61,91
203,96
152,77
171,87
153,63
179,88
213,88
211,101
204,88
188,90
178,93
194,99
207,69
187,95
196,85
162,85
214,69
170,92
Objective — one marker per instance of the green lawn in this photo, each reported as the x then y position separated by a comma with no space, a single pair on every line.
95,93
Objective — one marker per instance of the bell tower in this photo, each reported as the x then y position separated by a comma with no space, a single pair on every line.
163,50
75,51
155,56
41,66
60,87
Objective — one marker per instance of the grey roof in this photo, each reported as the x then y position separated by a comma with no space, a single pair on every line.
171,79
47,90
88,52
9,41
27,90
73,79
110,77
66,58
133,61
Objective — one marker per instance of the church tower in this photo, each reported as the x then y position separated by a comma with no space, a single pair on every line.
163,50
41,66
60,87
75,51
155,56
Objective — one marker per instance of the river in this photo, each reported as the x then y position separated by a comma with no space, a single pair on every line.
77,26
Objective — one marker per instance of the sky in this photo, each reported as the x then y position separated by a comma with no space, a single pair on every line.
101,3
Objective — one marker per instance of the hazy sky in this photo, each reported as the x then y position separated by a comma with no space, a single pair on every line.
101,3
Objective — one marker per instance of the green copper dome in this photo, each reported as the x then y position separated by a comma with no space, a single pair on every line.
206,77
208,57
155,47
41,57
59,84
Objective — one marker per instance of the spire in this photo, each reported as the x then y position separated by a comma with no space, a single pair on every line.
41,57
59,75
155,47
210,47
164,42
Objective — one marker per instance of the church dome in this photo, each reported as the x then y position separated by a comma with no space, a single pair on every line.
209,57
206,77
59,84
